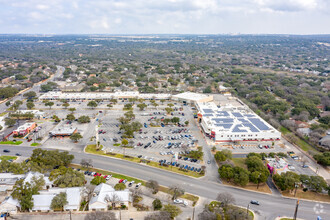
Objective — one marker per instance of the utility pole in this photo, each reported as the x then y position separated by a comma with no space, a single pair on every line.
193,215
70,215
247,211
296,210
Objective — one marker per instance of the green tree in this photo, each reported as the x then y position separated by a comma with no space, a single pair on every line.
286,181
8,103
23,193
70,117
120,186
157,204
76,137
241,176
124,142
170,105
259,177
92,104
30,94
226,172
141,106
128,106
67,177
59,201
169,110
65,105
109,105
10,122
30,105
50,104
173,210
98,180
317,183
129,115
254,163
72,109
84,119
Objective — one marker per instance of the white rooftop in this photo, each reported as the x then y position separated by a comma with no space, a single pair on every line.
192,96
25,126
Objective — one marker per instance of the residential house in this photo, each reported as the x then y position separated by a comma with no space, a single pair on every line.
10,205
105,195
30,175
42,202
8,180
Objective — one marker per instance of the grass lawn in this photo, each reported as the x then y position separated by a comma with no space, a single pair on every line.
308,195
3,113
263,187
286,218
284,130
11,142
120,176
92,149
301,143
8,158
117,145
35,144
240,162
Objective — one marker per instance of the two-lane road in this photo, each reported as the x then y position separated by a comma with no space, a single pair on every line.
271,206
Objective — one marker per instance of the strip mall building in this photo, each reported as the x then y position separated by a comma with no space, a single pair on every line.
226,123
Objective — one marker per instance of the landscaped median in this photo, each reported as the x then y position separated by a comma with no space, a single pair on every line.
11,142
92,150
187,196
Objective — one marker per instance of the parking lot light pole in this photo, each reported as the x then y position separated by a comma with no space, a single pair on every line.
247,210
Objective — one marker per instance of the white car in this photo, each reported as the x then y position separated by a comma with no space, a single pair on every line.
138,185
180,201
108,177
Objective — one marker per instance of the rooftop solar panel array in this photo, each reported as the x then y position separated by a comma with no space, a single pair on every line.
249,115
252,128
237,115
222,113
208,115
259,124
237,129
226,126
223,120
207,110
243,120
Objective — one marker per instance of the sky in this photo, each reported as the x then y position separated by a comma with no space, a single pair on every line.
165,16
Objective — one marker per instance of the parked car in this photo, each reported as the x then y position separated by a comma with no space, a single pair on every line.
138,185
131,183
121,180
18,154
6,151
254,202
180,201
125,181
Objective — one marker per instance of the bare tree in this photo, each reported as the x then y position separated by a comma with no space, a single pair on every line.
88,193
113,199
207,214
86,163
176,192
99,215
153,185
162,215
225,199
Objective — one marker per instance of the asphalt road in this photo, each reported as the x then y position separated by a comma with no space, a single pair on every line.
270,207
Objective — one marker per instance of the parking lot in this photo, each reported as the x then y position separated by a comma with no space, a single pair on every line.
155,143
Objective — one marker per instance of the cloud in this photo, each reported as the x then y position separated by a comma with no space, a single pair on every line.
165,16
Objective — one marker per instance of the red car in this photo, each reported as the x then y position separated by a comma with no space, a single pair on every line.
120,181
105,176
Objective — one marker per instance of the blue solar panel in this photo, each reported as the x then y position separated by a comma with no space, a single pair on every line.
223,120
227,126
243,120
208,115
207,110
248,115
259,124
237,114
252,128
223,113
237,129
